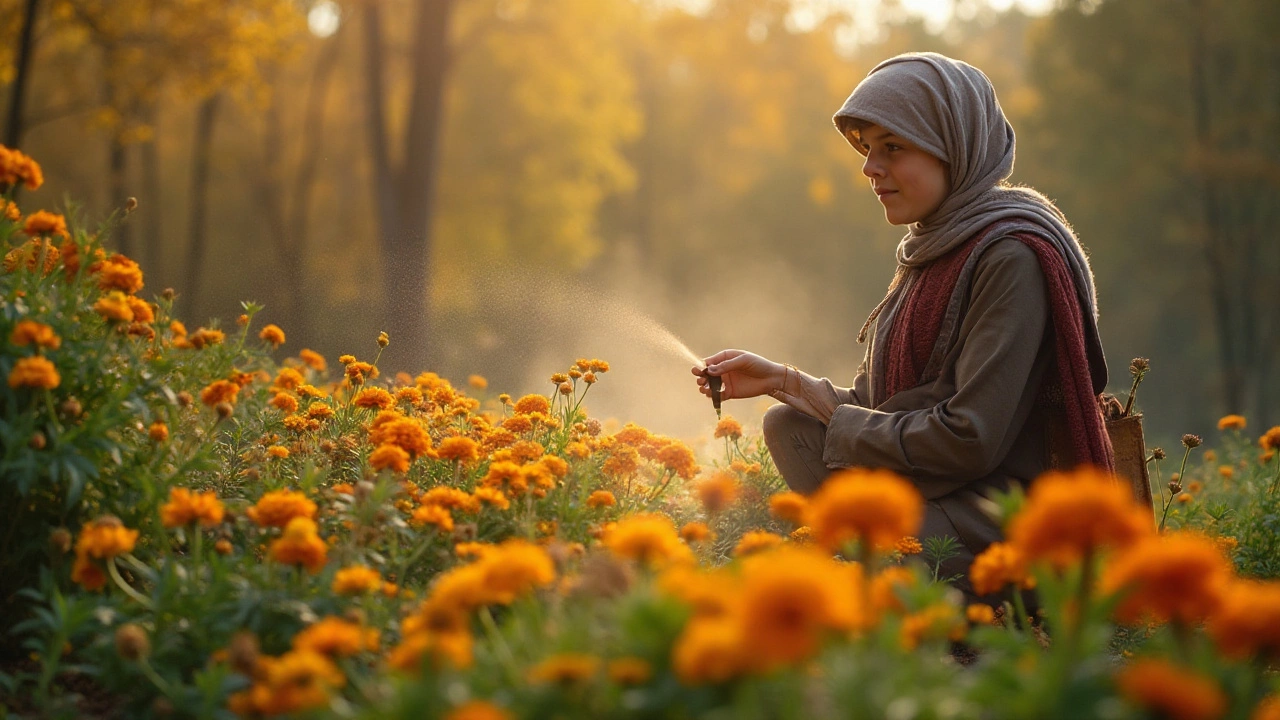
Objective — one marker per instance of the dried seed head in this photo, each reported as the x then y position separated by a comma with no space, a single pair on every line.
1191,441
132,642
1158,453
224,410
243,653
593,427
1139,366
60,539
131,204
1175,487
38,440
383,340
169,294
185,399
71,408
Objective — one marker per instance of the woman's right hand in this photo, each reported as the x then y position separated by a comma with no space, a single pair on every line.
745,374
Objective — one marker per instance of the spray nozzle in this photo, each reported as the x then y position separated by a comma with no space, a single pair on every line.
715,382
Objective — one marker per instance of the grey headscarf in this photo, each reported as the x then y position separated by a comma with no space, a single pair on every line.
948,108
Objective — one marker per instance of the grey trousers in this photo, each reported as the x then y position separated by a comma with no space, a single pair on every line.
796,440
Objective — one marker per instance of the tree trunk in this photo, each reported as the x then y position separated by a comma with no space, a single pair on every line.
117,168
151,203
206,117
22,75
405,190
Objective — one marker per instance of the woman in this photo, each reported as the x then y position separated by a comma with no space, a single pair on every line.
984,363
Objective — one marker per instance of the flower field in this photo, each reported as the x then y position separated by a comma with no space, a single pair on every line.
206,523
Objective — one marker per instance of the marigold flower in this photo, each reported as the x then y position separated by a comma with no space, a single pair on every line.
802,535
87,574
18,167
599,366
789,506
391,428
718,492
940,620
479,710
1247,622
29,255
451,648
300,545
278,451
114,307
999,565
118,273
278,507
1231,422
391,457
755,541
42,222
203,337
514,568
313,360
104,538
284,401
1174,692
374,397
728,428
532,404
319,411
1070,515
679,459
709,650
288,379
143,312
980,614
872,506
383,340
223,546
30,332
1270,439
565,668
790,598
450,498
298,680
432,515
185,507
578,450
272,334
1268,709
460,449
132,643
219,391
34,372
601,498
909,545
492,497
336,637
650,539
1179,577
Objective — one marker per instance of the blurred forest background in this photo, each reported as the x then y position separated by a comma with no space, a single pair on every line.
507,185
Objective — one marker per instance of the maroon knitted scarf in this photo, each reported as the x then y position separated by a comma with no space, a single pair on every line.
919,319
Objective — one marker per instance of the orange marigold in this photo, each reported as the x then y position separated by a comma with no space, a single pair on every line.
872,506
336,637
754,541
1247,622
678,458
999,565
391,428
565,668
789,506
104,538
601,498
313,360
1174,692
30,254
391,457
460,449
272,334
158,432
1179,576
30,332
300,544
1270,439
284,401
1231,422
278,507
718,492
42,222
432,515
34,372
18,167
118,273
1070,515
728,428
791,598
185,507
114,307
532,404
219,391
648,538
374,397
479,710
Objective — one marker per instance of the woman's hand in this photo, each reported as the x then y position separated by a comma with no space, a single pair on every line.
745,374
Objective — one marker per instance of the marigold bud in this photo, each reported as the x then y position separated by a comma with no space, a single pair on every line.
589,378
162,706
243,653
224,410
131,204
60,538
1191,441
383,340
242,320
566,388
38,440
132,642
70,408
185,399
1158,453
168,294
223,546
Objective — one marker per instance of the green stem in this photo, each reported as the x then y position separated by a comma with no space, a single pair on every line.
153,676
1021,608
128,589
504,651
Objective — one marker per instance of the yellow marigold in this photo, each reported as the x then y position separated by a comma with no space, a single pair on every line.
300,545
452,649
374,397
1070,515
461,449
336,637
492,497
630,671
696,532
278,451
296,681
1247,622
980,614
565,668
158,432
718,492
42,222
478,382
272,334
1231,422
409,396
601,498
432,515
114,307
755,541
532,404
118,273
709,650
623,461
34,372
999,565
554,465
650,539
633,435
728,428
18,167
599,366
313,360
791,598
203,337
1226,471
872,506
319,411
1179,576
1173,692
143,311
356,580
450,498
278,507
802,535
219,391
391,457
185,507
479,710
789,506
30,332
288,379
104,538
284,401
578,450
518,424
1270,439
391,428
514,568
678,458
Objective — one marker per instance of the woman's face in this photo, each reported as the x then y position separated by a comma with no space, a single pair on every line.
909,182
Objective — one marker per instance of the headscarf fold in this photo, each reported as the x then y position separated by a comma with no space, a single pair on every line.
948,108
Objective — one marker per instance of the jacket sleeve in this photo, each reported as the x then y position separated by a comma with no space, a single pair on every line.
966,436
